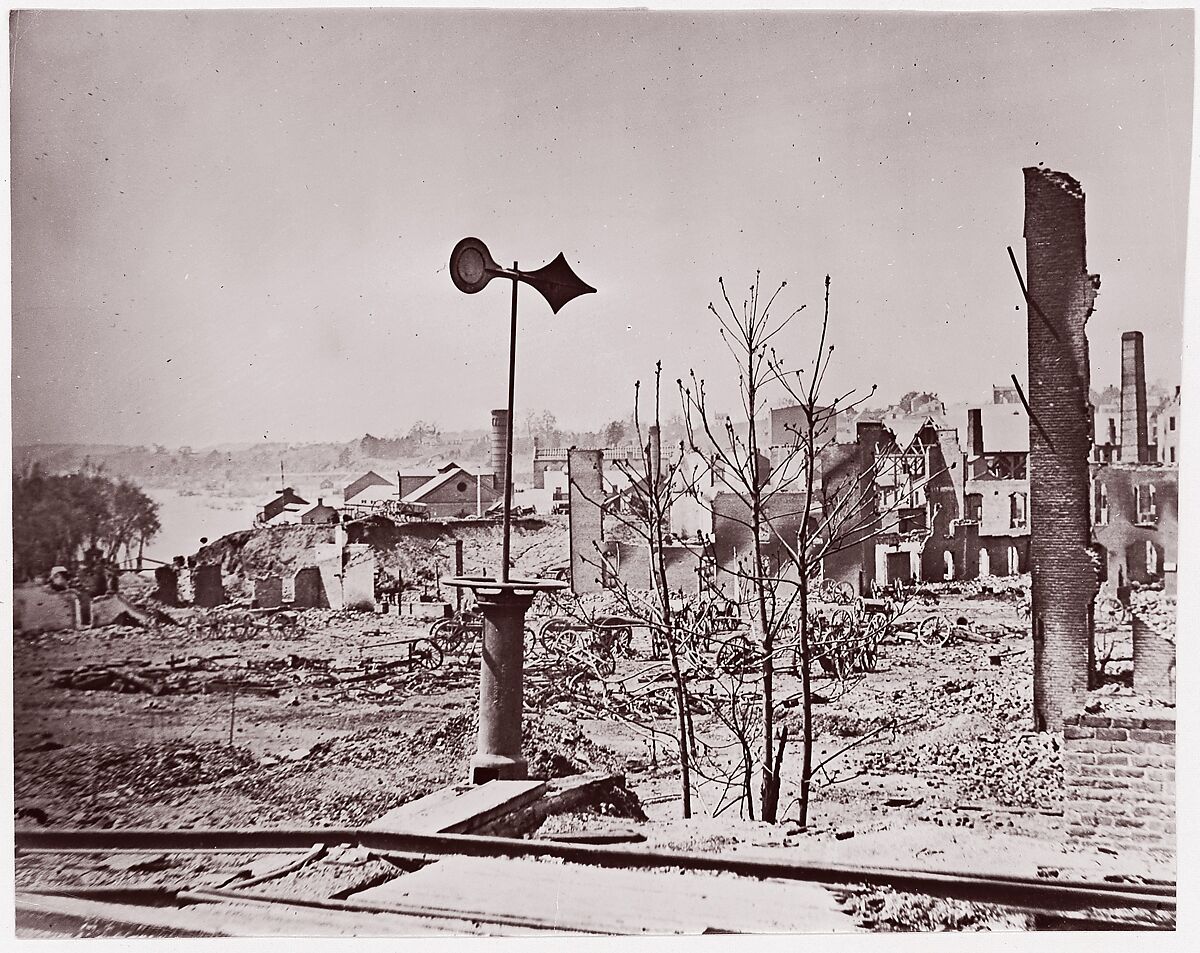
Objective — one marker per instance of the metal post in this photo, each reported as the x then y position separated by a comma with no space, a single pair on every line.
508,440
504,601
501,690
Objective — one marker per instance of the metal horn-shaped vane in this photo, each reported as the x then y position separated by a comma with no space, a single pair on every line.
472,267
557,282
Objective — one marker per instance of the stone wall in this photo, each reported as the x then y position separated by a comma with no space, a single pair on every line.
1120,777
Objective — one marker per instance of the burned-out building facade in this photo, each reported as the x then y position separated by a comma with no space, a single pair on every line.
902,502
1135,494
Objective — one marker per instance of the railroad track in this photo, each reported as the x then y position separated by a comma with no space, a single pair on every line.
1076,902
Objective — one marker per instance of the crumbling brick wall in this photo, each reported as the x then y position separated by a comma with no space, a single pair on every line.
585,474
40,609
1120,777
268,592
733,537
1061,298
210,589
633,566
1153,660
1123,537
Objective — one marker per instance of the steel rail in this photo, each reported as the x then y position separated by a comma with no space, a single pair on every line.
982,888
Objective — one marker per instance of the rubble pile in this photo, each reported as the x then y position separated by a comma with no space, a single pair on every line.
557,748
1022,771
393,766
187,676
885,910
364,677
976,731
1004,588
549,552
1155,610
142,772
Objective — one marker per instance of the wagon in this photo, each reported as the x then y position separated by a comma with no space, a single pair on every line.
419,651
462,633
845,638
597,642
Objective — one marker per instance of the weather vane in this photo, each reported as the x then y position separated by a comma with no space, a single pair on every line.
504,601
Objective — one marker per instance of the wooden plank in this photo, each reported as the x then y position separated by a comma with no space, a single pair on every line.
459,809
631,902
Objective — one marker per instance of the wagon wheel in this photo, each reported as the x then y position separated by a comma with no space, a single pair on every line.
827,591
857,640
465,636
1112,609
691,657
823,653
869,651
553,637
830,654
869,654
844,622
790,660
623,641
532,647
446,633
426,654
934,631
596,648
735,655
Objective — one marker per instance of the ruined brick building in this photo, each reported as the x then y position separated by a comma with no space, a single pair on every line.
1135,494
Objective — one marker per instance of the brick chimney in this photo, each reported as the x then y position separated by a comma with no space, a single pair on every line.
654,455
499,446
1135,442
975,431
1064,581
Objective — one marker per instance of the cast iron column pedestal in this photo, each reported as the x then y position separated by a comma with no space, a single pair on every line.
501,692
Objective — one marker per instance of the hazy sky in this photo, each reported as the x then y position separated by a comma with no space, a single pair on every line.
235,225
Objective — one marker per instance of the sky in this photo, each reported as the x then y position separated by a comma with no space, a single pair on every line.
235,226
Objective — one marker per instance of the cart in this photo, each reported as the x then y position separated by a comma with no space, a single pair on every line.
845,638
462,633
418,652
597,643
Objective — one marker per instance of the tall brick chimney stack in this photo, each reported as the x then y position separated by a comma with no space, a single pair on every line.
975,431
654,446
1061,294
499,446
1135,439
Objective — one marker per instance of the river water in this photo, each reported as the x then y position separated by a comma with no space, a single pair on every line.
186,518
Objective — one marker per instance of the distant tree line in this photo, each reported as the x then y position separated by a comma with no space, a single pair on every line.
57,518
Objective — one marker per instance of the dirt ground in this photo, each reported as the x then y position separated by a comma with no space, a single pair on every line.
314,719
